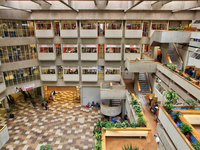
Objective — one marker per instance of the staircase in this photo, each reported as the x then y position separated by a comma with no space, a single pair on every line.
143,84
115,102
174,56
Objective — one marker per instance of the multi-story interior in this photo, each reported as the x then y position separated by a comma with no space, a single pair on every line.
56,45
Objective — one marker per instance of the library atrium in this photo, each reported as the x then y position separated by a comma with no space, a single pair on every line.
99,74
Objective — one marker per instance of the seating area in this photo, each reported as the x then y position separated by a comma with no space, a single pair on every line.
153,103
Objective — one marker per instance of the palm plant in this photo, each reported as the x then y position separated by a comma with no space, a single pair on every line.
130,147
171,96
191,103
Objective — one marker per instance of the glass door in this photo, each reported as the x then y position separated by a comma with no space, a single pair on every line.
101,28
101,48
101,72
145,29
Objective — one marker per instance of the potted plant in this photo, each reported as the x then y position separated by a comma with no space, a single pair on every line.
98,145
191,103
188,78
172,67
165,64
125,124
196,145
134,102
185,128
118,124
45,147
109,125
137,108
181,72
99,126
130,147
172,98
12,107
141,122
176,116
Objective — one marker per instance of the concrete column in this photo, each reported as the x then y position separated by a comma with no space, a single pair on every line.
123,108
164,49
42,91
136,78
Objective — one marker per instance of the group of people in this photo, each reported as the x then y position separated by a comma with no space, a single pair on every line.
92,105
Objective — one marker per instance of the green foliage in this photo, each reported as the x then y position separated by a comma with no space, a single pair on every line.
98,136
141,122
118,124
191,102
130,147
196,145
188,78
12,107
171,96
43,99
172,67
109,125
139,114
98,145
134,102
185,128
125,124
133,125
99,126
165,64
137,108
177,114
45,147
176,28
169,105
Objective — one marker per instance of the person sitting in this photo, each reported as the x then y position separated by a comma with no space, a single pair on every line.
93,104
150,100
189,71
97,105
154,108
88,105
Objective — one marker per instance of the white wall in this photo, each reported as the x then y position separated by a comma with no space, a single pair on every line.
113,33
133,33
194,62
90,94
69,33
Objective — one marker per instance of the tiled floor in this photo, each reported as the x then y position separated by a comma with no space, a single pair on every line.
65,125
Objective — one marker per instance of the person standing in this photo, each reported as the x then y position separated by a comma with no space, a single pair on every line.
45,105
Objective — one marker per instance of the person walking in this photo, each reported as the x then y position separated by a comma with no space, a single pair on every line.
45,105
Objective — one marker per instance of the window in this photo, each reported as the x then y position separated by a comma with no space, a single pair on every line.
89,70
113,48
71,70
19,76
48,70
46,48
43,25
132,48
16,28
112,70
70,48
113,25
134,25
89,25
68,25
159,25
160,89
89,49
18,53
60,72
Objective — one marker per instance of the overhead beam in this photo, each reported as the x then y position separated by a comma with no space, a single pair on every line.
29,11
35,2
166,2
47,2
95,2
174,11
69,6
134,5
155,2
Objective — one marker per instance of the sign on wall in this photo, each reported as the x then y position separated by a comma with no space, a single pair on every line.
24,88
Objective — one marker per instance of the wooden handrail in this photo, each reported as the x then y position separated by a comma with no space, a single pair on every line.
169,59
148,82
138,85
178,53
178,130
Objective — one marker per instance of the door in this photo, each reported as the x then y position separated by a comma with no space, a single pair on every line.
101,28
101,51
145,30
